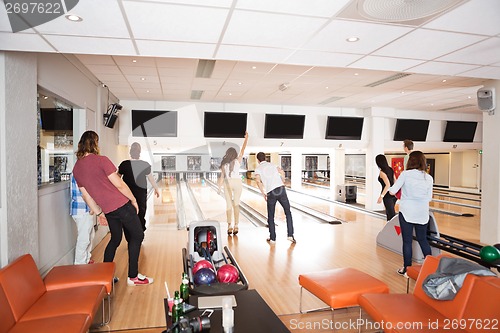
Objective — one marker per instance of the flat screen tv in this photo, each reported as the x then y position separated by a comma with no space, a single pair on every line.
460,131
224,125
56,120
284,126
344,128
154,123
413,129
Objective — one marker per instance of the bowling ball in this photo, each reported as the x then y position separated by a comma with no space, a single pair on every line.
204,276
497,246
202,264
228,274
489,253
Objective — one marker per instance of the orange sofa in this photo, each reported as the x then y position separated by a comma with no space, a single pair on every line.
474,309
27,306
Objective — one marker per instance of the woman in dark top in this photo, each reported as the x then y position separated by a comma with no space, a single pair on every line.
386,179
134,173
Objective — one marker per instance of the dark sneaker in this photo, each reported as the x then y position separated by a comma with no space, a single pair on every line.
402,272
139,280
271,241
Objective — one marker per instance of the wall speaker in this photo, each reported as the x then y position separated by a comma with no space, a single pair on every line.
486,99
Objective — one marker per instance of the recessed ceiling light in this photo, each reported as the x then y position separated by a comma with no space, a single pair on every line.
432,104
469,97
143,79
356,74
73,18
254,67
45,97
134,61
240,83
402,92
352,39
147,91
444,80
230,94
327,87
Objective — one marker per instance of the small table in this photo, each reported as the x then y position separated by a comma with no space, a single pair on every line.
251,314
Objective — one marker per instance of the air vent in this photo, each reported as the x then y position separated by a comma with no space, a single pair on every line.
196,94
388,79
457,107
330,100
205,68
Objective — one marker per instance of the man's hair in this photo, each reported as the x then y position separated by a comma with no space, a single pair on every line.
135,150
261,156
408,144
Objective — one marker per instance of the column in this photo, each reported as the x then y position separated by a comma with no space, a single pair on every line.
18,151
296,181
490,209
337,170
375,146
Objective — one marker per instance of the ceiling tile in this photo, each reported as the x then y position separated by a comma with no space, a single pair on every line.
104,69
99,19
421,44
318,58
175,49
444,68
136,70
476,17
385,63
249,53
273,30
143,79
67,44
322,8
371,36
174,22
209,3
489,72
483,53
96,59
18,42
135,61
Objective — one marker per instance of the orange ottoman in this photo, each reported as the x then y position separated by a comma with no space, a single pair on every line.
341,287
69,276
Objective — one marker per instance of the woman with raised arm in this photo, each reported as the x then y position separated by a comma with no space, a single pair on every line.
231,180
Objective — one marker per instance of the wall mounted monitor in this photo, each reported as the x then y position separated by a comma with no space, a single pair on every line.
284,126
154,123
224,125
413,129
56,119
460,131
344,128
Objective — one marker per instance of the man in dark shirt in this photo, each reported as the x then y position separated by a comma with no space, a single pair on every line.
134,173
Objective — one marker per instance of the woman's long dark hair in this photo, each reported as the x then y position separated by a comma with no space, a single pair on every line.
229,158
383,165
88,144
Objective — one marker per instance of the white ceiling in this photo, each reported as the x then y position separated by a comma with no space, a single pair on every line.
149,50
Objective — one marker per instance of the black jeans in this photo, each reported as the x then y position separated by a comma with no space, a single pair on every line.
389,203
125,219
407,234
278,195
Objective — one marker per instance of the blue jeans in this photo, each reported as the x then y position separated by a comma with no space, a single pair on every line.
278,195
407,234
125,219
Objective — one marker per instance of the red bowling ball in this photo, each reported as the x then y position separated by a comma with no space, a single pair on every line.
228,274
202,264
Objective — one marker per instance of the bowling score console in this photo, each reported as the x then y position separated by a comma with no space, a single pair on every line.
203,258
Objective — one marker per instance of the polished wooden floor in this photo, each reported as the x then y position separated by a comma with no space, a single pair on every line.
272,270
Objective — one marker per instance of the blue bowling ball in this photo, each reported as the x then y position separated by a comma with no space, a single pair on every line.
204,276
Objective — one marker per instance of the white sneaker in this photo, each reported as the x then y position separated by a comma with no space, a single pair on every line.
139,280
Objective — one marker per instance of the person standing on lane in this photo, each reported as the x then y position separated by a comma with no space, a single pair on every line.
270,180
105,192
386,179
231,179
416,193
135,174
